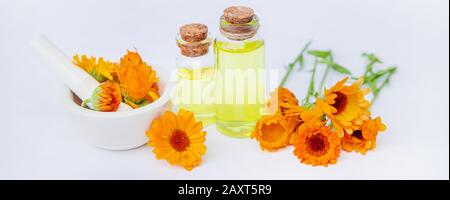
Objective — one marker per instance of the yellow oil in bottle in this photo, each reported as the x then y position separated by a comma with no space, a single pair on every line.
240,85
195,91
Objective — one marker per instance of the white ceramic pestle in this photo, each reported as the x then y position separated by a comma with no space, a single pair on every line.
80,82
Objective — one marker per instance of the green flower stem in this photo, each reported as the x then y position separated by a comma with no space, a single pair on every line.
368,70
327,70
311,82
291,66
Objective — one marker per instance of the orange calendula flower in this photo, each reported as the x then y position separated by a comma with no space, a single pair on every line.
137,80
316,144
297,115
345,105
364,138
179,139
279,99
106,97
100,69
293,114
305,114
272,132
293,123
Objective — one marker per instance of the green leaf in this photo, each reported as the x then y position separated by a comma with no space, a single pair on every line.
340,69
392,69
325,62
378,74
319,54
381,73
372,58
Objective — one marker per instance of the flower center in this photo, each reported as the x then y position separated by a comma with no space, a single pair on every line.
317,144
358,134
271,132
179,141
340,102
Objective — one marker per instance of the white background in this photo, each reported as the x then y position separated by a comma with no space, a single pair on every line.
37,141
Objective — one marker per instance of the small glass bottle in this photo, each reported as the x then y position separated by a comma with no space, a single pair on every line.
240,79
195,72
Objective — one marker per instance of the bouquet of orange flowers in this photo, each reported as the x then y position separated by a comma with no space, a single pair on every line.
339,118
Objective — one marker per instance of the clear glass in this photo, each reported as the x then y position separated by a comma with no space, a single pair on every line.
240,83
195,85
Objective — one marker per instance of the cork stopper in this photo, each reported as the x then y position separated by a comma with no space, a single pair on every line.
194,32
238,14
193,40
239,23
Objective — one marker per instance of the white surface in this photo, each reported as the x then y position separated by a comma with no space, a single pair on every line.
39,142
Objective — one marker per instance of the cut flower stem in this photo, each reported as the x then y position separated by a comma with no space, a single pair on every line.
298,60
311,83
325,74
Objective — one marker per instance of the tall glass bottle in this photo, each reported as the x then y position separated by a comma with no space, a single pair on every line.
195,65
240,79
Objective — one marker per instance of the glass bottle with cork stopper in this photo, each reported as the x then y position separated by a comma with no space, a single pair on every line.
195,72
240,77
